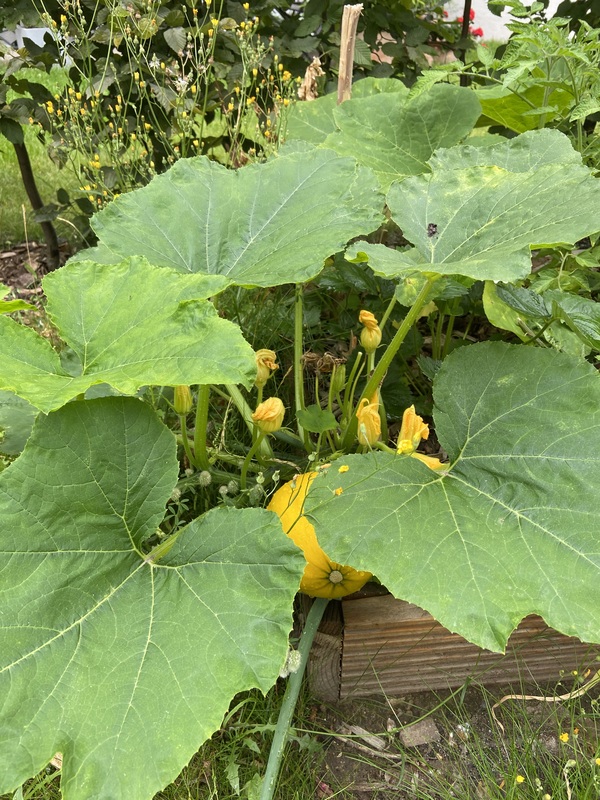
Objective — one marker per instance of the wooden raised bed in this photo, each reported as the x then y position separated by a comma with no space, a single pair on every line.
379,645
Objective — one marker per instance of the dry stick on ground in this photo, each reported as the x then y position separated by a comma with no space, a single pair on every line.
567,696
349,25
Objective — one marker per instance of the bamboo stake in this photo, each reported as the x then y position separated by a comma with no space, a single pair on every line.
349,25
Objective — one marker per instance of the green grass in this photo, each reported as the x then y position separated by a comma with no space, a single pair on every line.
472,760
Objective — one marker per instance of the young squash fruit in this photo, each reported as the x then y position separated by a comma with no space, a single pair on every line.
322,577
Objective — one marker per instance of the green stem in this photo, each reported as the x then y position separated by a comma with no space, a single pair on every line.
201,424
298,371
387,313
375,380
249,457
185,441
246,412
290,699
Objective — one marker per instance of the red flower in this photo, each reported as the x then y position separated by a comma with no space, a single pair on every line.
471,16
476,32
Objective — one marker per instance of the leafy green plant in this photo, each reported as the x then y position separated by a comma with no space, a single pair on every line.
125,638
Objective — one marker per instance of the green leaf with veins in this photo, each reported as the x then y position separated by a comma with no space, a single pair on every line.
129,324
482,221
511,527
16,420
122,665
396,138
264,225
520,154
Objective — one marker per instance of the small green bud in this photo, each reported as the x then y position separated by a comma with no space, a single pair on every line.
182,400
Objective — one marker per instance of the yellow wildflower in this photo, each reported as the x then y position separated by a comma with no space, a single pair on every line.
564,737
369,422
269,415
520,779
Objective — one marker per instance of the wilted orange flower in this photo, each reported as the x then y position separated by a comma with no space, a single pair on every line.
265,364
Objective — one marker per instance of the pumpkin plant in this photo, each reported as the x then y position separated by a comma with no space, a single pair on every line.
124,635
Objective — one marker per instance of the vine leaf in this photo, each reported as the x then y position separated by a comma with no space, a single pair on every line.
264,225
106,656
482,221
510,528
129,324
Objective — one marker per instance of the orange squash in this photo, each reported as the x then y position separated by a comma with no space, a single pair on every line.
322,577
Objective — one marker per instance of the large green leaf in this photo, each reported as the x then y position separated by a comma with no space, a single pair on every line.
482,221
396,138
264,225
511,528
123,665
313,121
16,420
129,324
520,154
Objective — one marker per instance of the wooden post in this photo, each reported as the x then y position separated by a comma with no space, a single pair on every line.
349,25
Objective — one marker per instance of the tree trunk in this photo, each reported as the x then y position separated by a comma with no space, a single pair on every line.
36,203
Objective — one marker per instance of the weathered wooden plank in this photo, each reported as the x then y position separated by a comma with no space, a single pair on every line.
392,647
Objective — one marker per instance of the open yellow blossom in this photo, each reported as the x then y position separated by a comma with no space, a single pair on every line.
413,430
370,336
520,779
269,415
369,421
564,737
265,364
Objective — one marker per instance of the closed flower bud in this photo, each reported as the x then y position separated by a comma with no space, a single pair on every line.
183,400
369,422
265,364
268,416
338,378
370,336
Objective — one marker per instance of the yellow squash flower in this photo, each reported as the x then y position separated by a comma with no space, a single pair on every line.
265,365
413,430
269,415
369,421
370,336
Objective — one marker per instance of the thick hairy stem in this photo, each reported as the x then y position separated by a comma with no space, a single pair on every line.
290,698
